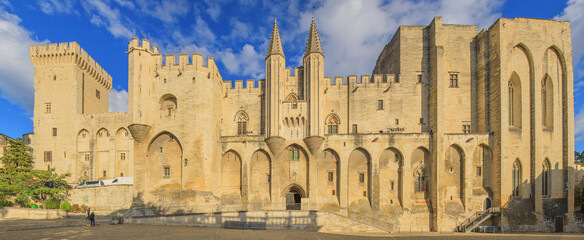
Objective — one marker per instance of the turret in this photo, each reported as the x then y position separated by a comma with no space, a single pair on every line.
314,82
275,77
141,71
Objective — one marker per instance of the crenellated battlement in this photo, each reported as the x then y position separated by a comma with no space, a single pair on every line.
378,80
186,62
238,86
135,43
66,53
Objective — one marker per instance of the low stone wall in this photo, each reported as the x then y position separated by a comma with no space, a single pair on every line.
31,213
275,220
103,199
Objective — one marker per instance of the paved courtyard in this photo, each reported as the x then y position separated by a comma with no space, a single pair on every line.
171,232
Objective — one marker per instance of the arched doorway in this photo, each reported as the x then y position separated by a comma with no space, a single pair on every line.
487,204
294,194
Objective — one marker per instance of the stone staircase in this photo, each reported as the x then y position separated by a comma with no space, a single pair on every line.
477,219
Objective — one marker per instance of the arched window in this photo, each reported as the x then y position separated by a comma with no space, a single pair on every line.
516,178
420,180
511,109
332,123
241,119
168,105
293,99
546,101
545,178
514,100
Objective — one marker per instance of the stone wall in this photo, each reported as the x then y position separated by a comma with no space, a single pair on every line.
274,220
103,199
31,213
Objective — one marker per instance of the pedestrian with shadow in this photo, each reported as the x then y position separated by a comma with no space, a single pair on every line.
92,219
88,212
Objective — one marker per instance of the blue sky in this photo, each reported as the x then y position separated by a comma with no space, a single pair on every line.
236,34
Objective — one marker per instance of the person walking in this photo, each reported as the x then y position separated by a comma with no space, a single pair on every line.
88,212
92,219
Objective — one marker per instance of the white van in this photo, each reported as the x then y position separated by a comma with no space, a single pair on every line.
123,181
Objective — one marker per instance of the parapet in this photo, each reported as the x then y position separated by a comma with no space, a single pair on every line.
378,80
144,45
238,87
53,53
194,61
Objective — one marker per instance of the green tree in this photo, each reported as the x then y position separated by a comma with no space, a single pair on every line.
21,182
579,157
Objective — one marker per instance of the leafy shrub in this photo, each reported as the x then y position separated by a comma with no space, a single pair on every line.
84,208
31,205
65,206
5,203
21,200
52,203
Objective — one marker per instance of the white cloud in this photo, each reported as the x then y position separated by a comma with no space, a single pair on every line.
214,10
353,33
166,10
56,6
118,100
126,3
103,15
16,70
203,32
579,126
247,62
574,13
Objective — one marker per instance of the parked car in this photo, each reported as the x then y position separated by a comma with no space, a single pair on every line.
90,184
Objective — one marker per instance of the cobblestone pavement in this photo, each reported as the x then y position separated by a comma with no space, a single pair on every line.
170,232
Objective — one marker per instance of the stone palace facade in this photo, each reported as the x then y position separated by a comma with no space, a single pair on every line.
451,122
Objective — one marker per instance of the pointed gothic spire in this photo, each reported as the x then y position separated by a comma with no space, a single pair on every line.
313,43
275,42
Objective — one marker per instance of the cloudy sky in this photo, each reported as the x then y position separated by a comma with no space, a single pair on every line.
236,34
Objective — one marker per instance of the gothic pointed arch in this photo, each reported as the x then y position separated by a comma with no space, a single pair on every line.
516,178
84,163
420,165
454,178
260,179
332,122
328,176
391,177
295,188
168,105
546,180
123,144
293,166
231,177
241,118
292,97
515,100
359,184
171,138
102,167
547,99
165,163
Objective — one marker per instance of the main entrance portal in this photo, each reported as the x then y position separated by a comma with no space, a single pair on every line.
292,200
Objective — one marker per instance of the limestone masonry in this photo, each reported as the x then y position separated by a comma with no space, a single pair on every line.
451,122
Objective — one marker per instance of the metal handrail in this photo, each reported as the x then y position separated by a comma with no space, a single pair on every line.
470,221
